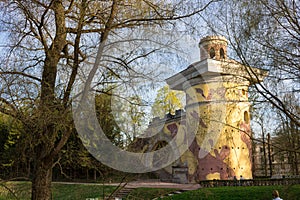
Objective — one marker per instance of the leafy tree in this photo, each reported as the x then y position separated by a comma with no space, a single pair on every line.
74,159
167,101
9,138
130,116
48,47
4,130
106,119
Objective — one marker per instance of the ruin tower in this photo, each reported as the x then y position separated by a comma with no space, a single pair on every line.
217,111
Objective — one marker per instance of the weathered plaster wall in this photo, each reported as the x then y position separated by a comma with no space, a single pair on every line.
222,147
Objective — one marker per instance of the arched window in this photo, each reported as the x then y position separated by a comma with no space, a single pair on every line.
212,53
222,53
246,117
243,91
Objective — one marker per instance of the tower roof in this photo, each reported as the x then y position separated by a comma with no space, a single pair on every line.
217,38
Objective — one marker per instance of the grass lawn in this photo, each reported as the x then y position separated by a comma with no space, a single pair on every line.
241,193
59,191
89,191
148,193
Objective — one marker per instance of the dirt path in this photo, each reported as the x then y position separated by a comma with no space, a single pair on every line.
159,184
144,184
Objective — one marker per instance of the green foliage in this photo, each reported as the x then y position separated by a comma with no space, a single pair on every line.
74,155
4,134
130,116
9,136
167,101
106,119
120,117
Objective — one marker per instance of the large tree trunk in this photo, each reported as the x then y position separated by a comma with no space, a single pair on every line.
41,182
49,107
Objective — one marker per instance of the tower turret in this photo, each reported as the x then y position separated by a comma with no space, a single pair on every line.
214,47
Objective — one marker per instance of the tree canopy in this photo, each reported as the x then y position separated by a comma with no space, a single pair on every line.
167,101
52,46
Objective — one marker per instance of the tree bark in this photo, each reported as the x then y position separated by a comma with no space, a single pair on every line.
41,182
265,165
269,155
48,110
